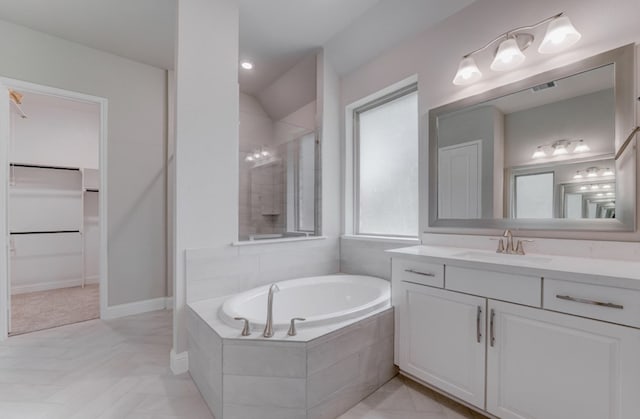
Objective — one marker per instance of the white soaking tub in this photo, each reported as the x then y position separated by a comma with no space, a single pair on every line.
321,300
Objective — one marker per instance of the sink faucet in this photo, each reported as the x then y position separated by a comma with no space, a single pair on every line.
509,250
268,327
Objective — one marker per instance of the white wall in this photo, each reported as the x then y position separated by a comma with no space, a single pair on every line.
435,53
136,137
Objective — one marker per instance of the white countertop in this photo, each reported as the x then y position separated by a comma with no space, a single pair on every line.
615,273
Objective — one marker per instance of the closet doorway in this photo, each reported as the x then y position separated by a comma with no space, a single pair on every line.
54,204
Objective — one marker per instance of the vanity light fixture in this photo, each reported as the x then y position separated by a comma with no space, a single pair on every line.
610,194
578,175
583,188
599,195
560,34
258,155
595,187
592,172
606,186
539,153
247,65
581,147
560,148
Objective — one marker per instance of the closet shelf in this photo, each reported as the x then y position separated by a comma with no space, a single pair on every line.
44,232
40,166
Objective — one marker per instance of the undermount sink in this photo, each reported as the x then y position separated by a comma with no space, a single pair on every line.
501,257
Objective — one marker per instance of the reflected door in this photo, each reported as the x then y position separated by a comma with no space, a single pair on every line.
459,181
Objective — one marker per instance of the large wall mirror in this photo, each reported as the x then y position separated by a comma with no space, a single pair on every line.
279,160
539,153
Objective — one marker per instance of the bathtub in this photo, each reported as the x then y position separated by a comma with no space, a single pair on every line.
346,343
321,300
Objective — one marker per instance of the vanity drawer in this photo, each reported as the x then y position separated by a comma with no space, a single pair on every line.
615,305
521,289
418,272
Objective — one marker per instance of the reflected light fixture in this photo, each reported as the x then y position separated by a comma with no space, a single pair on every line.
578,175
583,188
599,195
247,65
606,186
592,172
581,147
560,148
560,34
539,153
595,187
610,194
608,172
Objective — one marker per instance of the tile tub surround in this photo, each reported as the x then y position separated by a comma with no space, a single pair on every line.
321,373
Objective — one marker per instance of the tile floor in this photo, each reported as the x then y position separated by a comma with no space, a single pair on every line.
119,369
46,309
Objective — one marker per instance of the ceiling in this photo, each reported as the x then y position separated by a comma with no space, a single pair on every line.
274,34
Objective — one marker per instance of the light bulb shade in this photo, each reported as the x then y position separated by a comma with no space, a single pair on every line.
582,147
468,72
508,56
539,153
560,34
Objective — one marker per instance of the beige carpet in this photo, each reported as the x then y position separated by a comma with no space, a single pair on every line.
46,309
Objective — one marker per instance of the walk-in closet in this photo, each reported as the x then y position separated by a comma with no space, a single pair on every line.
53,217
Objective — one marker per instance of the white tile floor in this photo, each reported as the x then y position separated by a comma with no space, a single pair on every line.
119,369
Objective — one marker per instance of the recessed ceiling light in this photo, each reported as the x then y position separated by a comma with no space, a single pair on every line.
247,65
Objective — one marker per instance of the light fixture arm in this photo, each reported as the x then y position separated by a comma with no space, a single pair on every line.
626,142
512,32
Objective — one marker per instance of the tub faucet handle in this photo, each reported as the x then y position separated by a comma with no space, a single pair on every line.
292,328
246,330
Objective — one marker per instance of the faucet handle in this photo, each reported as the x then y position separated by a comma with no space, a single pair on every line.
292,328
500,248
246,329
520,246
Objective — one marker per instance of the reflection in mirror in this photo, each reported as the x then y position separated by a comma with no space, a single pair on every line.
278,157
545,153
540,153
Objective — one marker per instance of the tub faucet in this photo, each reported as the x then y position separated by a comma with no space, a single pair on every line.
268,327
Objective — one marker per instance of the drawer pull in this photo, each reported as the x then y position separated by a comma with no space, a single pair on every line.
411,271
591,302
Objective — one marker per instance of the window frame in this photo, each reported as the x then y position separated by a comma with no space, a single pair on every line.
356,112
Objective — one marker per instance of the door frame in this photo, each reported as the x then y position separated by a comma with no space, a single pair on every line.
4,199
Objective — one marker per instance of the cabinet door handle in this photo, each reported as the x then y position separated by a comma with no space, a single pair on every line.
492,329
478,331
591,302
411,271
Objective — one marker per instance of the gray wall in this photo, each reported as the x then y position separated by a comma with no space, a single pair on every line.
589,117
137,136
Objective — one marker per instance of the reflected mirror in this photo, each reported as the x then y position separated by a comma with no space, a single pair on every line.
278,153
540,153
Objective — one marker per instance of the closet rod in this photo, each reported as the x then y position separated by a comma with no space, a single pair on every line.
43,232
37,166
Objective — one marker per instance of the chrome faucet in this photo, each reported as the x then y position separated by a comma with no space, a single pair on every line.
268,327
509,250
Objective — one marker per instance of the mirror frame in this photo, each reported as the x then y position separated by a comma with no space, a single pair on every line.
623,59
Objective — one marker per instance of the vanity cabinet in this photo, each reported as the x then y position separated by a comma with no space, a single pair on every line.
517,359
444,340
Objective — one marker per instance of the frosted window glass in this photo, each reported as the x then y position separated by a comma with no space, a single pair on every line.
388,168
534,196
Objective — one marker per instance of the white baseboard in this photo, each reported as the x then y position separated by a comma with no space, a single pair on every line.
169,303
179,362
52,285
138,307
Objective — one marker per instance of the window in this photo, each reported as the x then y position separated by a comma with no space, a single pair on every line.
386,165
534,195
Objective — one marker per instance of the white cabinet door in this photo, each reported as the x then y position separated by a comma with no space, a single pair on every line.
442,339
545,365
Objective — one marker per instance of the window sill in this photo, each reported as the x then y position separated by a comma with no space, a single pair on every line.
383,239
275,241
